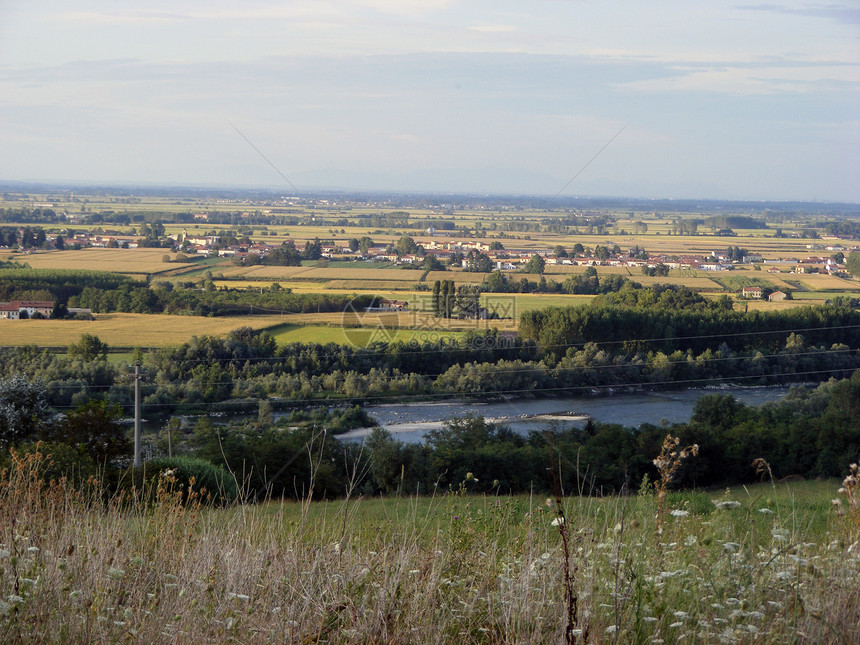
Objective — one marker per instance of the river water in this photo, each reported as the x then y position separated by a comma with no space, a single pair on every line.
409,422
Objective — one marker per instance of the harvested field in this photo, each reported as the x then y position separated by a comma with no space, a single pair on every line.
701,284
129,261
817,281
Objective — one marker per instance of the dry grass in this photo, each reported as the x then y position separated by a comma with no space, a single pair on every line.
698,284
132,261
774,566
764,305
126,330
816,281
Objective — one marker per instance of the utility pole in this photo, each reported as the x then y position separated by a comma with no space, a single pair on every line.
137,414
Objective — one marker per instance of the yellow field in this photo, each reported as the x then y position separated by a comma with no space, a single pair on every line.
260,272
126,330
693,283
322,274
764,305
817,281
459,277
132,261
566,269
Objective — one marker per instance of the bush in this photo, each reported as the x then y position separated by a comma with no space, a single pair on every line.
61,460
218,483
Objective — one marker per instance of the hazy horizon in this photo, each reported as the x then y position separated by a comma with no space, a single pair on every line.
755,102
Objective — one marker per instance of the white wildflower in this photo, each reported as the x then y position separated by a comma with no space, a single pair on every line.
679,513
765,511
729,504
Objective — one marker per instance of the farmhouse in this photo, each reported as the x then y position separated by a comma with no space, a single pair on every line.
13,309
777,296
751,292
389,305
9,311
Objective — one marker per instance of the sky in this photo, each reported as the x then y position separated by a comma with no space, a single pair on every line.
662,99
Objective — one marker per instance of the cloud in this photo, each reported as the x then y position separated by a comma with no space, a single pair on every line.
751,79
841,13
493,29
411,8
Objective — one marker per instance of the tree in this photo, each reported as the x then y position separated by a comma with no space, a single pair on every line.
477,262
853,263
468,302
536,264
313,250
23,408
353,245
432,263
89,348
94,427
364,244
406,246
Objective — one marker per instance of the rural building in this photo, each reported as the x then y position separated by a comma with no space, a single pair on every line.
9,311
389,305
14,308
751,292
777,296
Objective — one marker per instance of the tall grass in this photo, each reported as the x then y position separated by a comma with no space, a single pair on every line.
770,564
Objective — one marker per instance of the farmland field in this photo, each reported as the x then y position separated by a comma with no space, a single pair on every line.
821,281
355,336
126,330
129,261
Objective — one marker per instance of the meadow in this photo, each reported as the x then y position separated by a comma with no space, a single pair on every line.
769,563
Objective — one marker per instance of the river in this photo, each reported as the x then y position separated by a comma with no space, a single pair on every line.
409,422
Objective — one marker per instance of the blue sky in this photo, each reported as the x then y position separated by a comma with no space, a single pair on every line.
721,100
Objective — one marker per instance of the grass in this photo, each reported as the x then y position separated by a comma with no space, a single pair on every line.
763,564
356,336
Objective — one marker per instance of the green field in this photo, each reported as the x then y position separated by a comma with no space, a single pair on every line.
360,337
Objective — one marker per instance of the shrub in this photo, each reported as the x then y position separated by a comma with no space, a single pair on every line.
218,483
